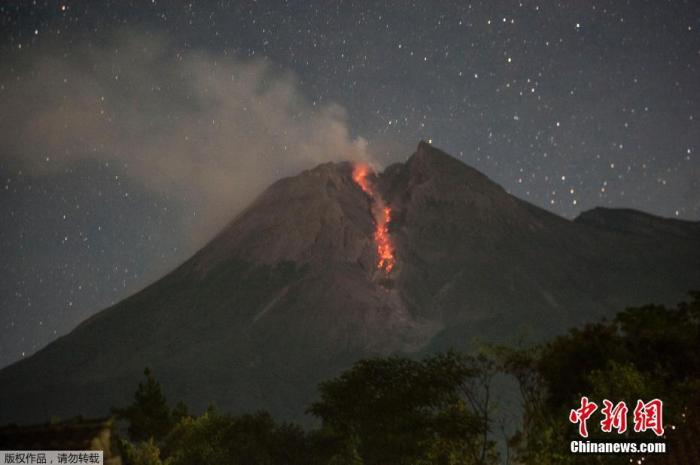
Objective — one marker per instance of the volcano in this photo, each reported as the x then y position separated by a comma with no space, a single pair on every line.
342,262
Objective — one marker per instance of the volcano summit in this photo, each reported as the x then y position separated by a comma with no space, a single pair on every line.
340,263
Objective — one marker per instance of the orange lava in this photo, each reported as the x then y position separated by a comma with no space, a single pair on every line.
382,217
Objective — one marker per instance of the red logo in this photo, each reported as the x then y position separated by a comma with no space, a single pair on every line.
614,417
582,415
647,416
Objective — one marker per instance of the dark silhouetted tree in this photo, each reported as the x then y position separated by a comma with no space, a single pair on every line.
215,439
148,415
643,353
402,411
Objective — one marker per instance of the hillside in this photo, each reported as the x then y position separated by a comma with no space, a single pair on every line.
291,291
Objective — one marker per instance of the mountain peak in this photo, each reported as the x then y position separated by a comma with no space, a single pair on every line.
296,288
428,154
440,175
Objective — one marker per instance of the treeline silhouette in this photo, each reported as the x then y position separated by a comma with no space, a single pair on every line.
444,409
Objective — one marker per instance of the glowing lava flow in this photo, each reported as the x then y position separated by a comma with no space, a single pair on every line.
382,217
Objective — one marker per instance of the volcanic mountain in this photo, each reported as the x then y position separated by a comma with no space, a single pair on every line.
340,263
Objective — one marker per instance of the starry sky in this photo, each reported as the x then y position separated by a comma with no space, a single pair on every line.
130,132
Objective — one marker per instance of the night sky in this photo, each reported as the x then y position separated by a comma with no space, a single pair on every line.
131,131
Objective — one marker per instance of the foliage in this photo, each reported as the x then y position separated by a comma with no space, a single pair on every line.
214,438
401,411
643,353
149,415
440,410
145,453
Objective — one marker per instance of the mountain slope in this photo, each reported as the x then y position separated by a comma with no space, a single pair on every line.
290,292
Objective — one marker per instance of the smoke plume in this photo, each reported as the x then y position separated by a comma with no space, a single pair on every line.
211,130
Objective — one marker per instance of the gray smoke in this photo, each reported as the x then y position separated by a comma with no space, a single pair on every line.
212,130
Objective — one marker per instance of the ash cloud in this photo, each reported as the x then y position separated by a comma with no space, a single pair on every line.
211,131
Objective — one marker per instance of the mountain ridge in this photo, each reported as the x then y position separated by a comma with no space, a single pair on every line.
290,292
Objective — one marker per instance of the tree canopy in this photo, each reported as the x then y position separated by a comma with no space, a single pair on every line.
440,409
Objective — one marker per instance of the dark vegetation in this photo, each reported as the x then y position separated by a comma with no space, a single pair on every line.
443,410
